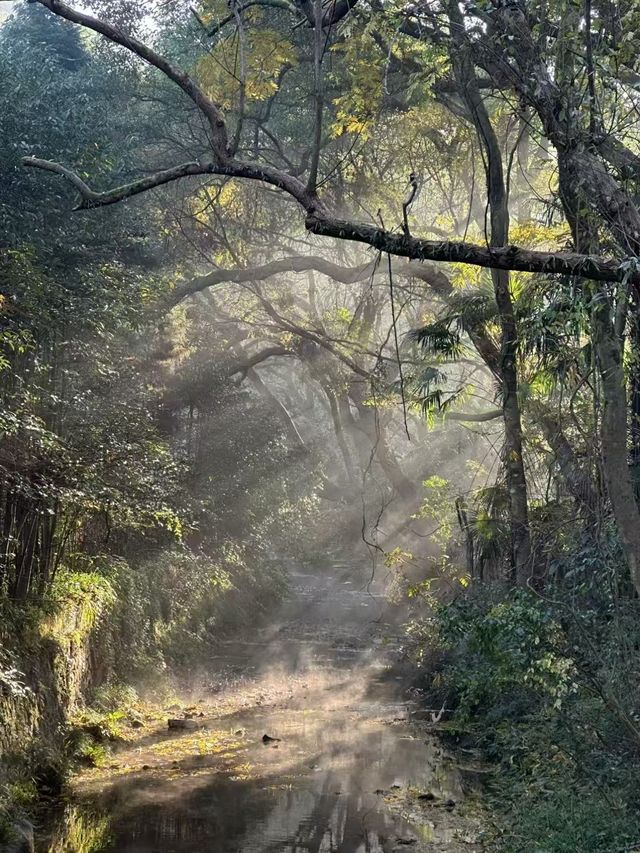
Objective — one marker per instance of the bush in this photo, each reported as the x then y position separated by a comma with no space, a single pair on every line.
550,689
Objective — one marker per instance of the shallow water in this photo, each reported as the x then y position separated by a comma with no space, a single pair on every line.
325,682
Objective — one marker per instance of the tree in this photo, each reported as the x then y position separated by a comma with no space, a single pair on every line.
503,51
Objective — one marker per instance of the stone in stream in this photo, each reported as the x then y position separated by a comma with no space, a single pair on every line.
182,724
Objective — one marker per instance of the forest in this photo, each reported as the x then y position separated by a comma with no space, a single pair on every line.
320,426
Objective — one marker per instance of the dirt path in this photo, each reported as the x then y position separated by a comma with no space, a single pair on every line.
348,772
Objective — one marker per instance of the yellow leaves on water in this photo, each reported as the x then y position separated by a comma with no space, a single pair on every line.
288,340
258,60
199,743
242,773
176,757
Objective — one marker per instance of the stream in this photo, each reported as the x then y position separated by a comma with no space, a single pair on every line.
348,769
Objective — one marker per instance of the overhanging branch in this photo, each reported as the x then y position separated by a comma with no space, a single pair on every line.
92,198
320,222
453,251
319,219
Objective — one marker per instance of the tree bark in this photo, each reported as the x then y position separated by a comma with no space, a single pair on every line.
614,438
465,74
285,416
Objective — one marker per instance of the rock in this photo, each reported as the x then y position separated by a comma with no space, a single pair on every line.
146,767
21,838
269,739
428,796
407,840
182,724
449,804
136,723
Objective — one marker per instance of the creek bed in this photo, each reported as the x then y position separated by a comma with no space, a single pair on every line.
346,771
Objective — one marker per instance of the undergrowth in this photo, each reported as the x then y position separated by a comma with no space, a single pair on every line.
549,687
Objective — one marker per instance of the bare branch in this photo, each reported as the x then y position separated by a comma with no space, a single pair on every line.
91,198
236,168
275,4
318,54
257,358
474,417
296,263
319,222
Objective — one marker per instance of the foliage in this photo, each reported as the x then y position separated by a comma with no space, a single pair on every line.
79,830
545,689
12,681
154,486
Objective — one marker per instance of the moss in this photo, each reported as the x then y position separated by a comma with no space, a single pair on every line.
80,831
22,794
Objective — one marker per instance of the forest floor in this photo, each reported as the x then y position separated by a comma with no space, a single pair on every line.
350,767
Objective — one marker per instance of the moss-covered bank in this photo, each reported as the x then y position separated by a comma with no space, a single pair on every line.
100,635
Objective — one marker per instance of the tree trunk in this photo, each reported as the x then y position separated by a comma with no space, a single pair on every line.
285,417
614,438
338,428
608,343
499,236
577,480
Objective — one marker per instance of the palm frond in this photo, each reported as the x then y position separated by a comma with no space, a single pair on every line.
437,339
472,308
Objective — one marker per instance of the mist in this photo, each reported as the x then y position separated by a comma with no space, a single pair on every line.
319,427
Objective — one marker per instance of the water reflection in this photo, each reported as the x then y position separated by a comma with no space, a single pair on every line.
319,789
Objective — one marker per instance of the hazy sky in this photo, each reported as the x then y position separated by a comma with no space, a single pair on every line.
5,8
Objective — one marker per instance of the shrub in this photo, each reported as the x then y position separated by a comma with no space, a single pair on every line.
550,688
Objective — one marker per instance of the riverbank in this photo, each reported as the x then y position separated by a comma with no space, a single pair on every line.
345,764
348,765
540,692
66,662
